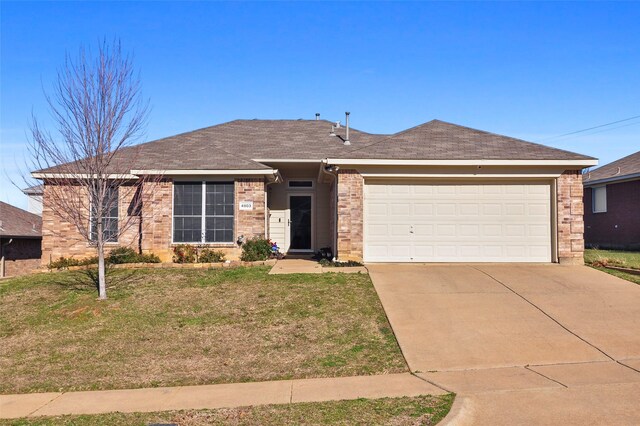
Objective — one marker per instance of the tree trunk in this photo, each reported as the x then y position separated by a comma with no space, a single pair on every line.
102,283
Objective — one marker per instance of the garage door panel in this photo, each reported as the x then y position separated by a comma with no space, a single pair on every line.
458,223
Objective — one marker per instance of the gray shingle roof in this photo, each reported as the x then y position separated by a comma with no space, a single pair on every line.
15,222
619,169
236,144
439,140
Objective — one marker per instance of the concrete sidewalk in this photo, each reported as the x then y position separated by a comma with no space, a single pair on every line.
214,396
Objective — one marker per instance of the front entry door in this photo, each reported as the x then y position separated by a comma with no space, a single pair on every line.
300,207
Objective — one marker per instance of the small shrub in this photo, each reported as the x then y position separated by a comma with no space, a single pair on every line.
122,255
128,255
210,256
66,262
184,253
255,249
116,256
63,263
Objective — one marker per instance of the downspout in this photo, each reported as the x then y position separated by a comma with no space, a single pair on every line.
325,169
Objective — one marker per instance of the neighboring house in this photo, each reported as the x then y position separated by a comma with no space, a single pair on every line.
437,192
612,200
34,194
20,240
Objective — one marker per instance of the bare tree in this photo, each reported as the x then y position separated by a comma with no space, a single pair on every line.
98,114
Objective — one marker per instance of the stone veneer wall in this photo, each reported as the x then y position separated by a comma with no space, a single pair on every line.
350,215
570,218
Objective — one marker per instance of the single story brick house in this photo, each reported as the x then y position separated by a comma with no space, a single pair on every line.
612,200
437,192
20,241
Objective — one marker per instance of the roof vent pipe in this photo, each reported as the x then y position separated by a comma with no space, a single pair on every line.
317,116
346,140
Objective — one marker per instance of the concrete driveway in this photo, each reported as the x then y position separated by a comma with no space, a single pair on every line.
505,335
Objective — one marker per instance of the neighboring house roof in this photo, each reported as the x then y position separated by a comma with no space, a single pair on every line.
242,144
34,190
625,168
18,223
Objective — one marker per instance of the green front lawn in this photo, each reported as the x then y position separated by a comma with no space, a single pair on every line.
187,326
598,259
420,410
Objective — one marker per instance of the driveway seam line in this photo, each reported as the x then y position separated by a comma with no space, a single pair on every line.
431,383
546,314
546,377
628,366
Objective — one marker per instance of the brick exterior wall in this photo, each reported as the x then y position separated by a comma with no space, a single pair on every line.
619,226
570,218
60,238
21,256
157,199
350,215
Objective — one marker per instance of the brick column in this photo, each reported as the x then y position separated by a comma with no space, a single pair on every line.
350,215
570,218
250,223
156,218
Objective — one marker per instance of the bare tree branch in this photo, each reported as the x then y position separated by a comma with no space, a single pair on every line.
98,114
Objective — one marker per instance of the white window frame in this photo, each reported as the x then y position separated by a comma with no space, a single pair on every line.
603,191
117,237
203,223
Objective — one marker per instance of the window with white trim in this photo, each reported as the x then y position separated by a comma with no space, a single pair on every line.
599,199
203,212
109,217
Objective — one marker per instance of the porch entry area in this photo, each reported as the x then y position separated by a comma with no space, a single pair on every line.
299,214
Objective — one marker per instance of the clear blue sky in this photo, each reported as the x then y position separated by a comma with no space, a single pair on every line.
528,70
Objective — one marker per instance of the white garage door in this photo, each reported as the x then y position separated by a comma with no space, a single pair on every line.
457,222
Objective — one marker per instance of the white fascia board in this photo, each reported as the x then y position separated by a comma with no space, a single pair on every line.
372,162
276,160
633,176
462,175
81,176
255,172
